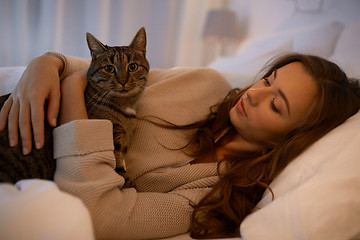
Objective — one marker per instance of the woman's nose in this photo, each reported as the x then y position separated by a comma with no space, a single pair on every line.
257,95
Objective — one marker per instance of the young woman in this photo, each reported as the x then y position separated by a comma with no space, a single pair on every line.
196,163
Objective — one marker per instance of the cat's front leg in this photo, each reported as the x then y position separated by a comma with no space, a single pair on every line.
120,144
120,161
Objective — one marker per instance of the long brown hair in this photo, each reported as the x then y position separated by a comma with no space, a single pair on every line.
241,186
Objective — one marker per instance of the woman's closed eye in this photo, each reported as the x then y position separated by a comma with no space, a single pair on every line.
273,106
267,83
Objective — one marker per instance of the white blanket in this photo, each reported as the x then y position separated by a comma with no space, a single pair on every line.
37,209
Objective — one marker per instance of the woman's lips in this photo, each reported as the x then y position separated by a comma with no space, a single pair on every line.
240,107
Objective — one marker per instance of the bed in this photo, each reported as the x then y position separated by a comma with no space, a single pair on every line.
316,197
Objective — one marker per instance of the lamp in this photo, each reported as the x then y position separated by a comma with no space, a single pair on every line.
220,28
220,24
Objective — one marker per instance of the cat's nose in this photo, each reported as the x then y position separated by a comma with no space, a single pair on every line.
123,82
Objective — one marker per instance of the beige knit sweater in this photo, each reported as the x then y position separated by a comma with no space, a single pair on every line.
165,181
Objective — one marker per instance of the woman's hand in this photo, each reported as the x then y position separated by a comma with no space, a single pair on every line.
72,105
24,109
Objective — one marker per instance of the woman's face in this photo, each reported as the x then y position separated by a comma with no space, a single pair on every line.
274,106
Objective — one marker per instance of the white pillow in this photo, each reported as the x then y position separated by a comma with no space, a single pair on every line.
317,195
318,40
251,56
243,67
347,50
258,46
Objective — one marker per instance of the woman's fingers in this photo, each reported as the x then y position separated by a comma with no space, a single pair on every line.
37,122
53,107
28,118
24,110
13,123
25,127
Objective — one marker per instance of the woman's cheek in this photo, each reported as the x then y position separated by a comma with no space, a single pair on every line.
234,118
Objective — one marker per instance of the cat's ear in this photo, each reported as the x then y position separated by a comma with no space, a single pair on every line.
95,46
139,41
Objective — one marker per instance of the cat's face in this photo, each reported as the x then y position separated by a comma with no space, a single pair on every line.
119,71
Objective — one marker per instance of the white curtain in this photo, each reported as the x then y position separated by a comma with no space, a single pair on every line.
28,28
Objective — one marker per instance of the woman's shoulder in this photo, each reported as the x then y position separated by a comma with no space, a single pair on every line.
208,75
187,87
182,95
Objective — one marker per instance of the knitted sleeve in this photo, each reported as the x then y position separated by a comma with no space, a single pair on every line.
85,168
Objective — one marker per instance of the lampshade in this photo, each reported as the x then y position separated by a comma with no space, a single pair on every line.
220,23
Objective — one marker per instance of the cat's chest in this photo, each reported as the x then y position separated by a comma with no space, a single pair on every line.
116,111
130,111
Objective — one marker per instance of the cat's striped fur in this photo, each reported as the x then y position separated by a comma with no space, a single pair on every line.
116,78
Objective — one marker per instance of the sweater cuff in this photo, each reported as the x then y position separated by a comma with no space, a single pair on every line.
63,59
71,64
83,137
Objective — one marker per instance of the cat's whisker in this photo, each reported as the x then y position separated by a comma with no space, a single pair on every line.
95,100
104,98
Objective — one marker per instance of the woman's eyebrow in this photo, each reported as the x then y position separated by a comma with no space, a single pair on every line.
282,94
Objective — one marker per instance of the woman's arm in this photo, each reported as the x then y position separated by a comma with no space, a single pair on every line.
24,110
72,98
85,168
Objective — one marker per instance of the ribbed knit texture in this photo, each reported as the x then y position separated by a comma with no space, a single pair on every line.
165,181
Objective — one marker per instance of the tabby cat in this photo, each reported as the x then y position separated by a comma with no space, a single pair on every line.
116,78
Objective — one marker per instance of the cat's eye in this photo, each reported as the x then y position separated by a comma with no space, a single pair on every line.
132,67
109,68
